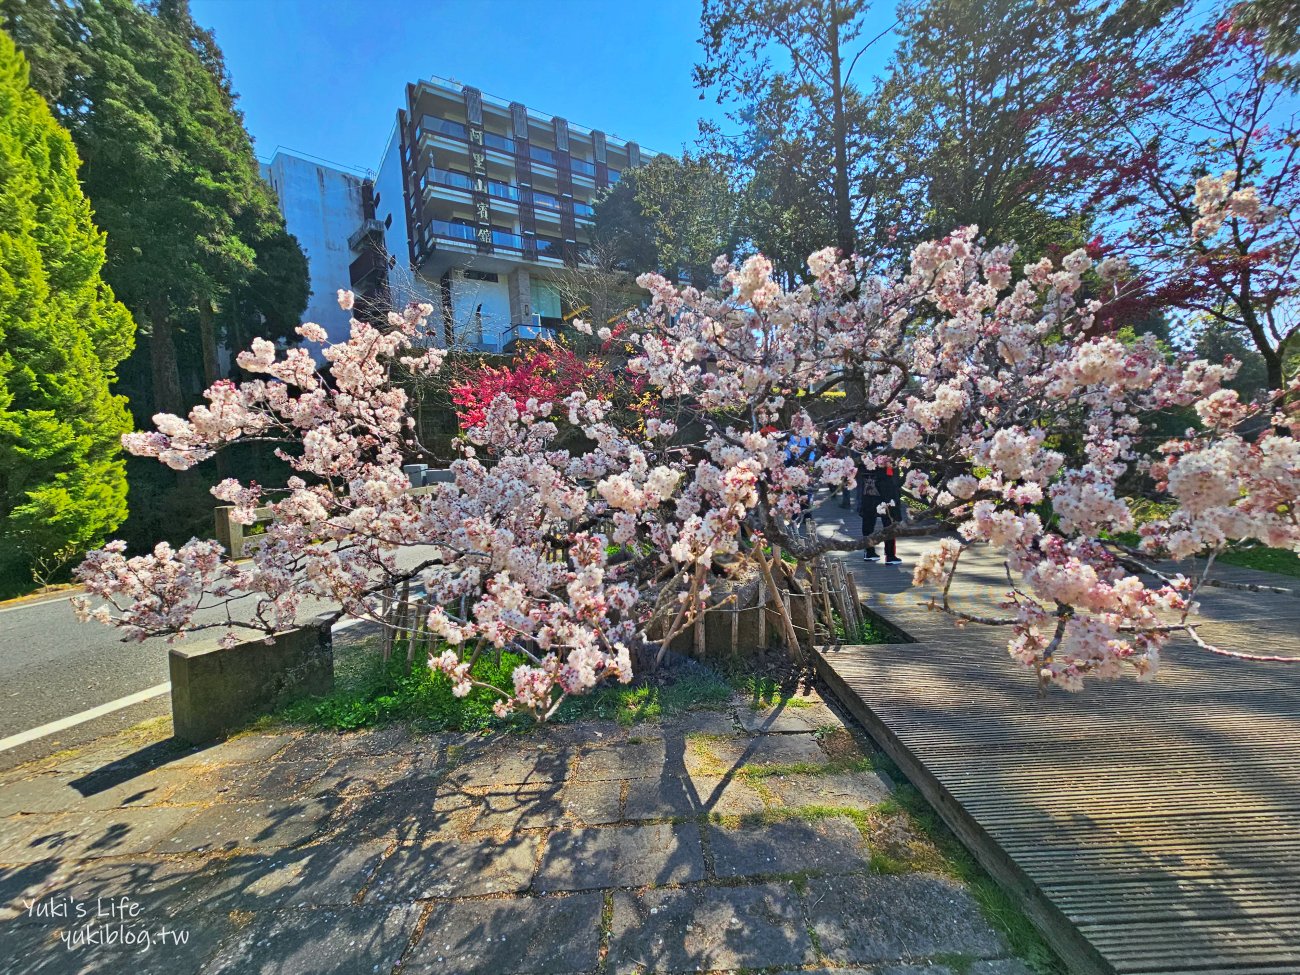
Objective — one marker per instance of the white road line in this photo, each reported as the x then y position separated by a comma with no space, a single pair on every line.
62,597
23,737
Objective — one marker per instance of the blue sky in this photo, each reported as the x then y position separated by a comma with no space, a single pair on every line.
326,77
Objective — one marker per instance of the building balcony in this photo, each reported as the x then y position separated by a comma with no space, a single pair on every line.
550,247
453,231
367,270
538,329
538,154
461,181
432,125
545,201
499,142
508,240
368,229
467,233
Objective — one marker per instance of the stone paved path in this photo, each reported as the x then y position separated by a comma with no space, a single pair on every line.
727,841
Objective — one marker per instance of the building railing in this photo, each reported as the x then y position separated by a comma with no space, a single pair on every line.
494,141
503,238
536,329
432,125
456,231
545,200
446,177
505,191
550,247
462,181
468,232
367,228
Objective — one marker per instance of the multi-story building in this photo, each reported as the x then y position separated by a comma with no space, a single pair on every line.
322,205
478,207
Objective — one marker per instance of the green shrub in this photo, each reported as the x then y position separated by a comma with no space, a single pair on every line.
367,691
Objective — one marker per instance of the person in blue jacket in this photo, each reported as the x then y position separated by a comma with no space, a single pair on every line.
801,450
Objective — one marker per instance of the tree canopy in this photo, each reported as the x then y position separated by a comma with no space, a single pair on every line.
195,237
62,335
674,214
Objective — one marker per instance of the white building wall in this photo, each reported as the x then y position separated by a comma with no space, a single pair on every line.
481,310
390,210
322,208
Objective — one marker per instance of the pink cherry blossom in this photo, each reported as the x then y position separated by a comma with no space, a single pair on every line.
1010,423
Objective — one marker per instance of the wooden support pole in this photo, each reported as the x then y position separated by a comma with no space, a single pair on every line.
855,600
823,584
418,631
779,600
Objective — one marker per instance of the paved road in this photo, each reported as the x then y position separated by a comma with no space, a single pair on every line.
52,667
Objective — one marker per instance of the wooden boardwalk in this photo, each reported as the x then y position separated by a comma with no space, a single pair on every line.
1147,828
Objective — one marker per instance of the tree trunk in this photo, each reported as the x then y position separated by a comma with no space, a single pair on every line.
208,339
845,232
162,355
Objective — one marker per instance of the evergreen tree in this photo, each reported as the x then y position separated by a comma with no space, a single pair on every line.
62,334
194,233
788,67
969,85
673,214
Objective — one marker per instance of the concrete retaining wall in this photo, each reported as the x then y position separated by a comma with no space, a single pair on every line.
215,691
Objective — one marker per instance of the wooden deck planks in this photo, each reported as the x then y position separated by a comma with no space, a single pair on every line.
1148,829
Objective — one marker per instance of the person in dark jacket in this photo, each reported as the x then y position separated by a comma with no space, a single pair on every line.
882,501
844,448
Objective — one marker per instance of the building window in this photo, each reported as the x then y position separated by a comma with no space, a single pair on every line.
545,299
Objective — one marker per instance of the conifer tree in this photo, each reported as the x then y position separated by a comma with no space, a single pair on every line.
62,335
194,232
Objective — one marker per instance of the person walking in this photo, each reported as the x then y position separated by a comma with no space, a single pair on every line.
802,452
844,448
882,501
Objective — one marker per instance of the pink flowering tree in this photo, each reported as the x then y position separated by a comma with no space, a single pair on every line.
968,375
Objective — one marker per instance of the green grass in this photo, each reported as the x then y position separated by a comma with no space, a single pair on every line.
366,692
995,903
1277,560
871,629
773,770
764,691
630,704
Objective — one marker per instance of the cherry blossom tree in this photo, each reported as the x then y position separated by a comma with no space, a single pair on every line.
963,371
